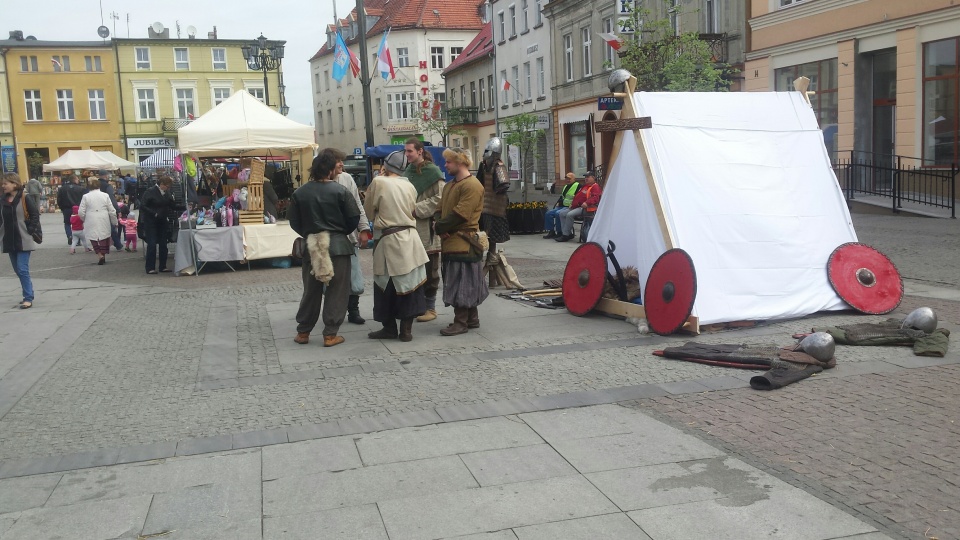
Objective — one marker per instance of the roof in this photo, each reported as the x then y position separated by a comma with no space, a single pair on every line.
422,14
36,44
478,49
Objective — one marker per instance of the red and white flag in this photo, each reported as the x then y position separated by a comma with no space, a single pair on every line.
506,85
56,63
612,40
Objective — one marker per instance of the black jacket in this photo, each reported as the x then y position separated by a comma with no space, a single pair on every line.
107,187
68,196
156,206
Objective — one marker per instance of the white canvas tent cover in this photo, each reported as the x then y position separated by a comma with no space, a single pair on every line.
118,162
163,158
747,190
79,159
241,125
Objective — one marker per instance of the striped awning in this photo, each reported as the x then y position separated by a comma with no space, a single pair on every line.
163,158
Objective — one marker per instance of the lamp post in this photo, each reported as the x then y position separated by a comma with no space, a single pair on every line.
262,55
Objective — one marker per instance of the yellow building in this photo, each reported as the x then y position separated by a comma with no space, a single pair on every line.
62,96
167,82
885,72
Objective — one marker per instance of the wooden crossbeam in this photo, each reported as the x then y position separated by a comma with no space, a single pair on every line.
623,124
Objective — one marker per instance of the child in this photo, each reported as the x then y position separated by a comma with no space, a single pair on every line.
130,229
76,228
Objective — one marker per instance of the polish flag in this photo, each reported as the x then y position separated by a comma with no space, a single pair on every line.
612,40
384,62
354,64
56,63
506,85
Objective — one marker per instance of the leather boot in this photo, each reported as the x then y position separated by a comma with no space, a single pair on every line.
353,310
406,329
389,331
427,316
459,325
473,318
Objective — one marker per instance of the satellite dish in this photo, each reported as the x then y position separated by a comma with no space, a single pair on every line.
31,38
157,27
191,30
103,32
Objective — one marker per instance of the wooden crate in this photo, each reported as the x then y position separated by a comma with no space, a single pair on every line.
248,217
255,197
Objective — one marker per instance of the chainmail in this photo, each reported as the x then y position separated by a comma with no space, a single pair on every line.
890,328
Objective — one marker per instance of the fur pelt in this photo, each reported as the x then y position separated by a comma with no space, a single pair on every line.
631,276
318,245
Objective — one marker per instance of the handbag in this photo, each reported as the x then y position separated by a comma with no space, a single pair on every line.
36,234
298,249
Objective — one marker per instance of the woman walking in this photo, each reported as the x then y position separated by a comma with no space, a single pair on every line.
99,217
19,225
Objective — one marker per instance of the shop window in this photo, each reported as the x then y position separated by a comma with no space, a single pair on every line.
579,148
941,102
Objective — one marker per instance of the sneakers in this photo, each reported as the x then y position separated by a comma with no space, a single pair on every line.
550,235
427,316
302,337
331,341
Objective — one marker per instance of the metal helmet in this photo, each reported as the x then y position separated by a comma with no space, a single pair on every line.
493,151
922,318
819,345
617,80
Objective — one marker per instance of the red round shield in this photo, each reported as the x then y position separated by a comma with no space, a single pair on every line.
583,278
865,278
670,291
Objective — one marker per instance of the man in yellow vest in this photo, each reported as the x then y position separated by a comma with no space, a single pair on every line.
585,202
552,219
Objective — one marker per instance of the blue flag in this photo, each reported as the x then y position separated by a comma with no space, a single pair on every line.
341,59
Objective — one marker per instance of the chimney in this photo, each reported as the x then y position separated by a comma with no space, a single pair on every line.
16,35
212,35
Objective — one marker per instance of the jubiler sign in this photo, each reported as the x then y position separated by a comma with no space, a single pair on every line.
147,142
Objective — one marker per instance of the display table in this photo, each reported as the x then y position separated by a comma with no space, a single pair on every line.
268,240
223,244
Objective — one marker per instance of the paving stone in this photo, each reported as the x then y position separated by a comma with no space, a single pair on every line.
684,387
588,422
444,440
26,467
7,521
350,522
27,492
322,491
259,438
309,457
314,431
203,445
250,529
113,518
444,513
498,535
664,445
147,452
511,465
607,526
83,460
723,383
206,508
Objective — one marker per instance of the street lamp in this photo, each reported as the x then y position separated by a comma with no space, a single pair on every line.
264,56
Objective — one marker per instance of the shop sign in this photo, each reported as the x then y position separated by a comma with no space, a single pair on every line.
150,142
9,157
607,103
543,120
399,128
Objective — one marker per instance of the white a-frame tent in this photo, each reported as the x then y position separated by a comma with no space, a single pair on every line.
742,182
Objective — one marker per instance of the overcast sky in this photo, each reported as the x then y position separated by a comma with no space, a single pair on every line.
300,22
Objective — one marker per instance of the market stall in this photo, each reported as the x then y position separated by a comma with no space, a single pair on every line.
243,127
79,159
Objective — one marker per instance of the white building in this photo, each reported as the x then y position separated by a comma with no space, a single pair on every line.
422,42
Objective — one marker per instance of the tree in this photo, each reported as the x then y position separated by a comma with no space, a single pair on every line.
664,61
523,133
432,121
35,163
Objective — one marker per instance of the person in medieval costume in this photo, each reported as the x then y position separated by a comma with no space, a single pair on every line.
360,236
428,180
496,181
399,260
464,287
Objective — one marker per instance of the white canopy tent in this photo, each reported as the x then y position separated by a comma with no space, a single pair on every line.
243,126
743,183
118,162
80,159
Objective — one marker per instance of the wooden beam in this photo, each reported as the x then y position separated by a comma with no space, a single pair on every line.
623,124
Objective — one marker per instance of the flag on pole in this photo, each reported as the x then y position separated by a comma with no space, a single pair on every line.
56,63
612,40
384,62
505,85
341,57
354,64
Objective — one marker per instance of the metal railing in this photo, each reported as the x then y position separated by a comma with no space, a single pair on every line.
173,124
463,116
901,178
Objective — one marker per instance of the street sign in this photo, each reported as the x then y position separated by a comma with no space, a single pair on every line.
358,151
607,103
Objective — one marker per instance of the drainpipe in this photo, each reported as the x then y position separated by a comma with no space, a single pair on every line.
123,119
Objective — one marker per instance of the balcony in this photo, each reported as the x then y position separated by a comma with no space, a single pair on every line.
720,51
171,125
463,116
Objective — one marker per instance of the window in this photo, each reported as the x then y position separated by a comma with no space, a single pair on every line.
316,81
587,43
257,93
505,98
455,52
28,63
490,91
436,57
537,12
143,57
568,56
326,79
219,59
541,79
608,53
473,94
523,15
503,26
353,118
60,63
403,57
329,121
220,95
65,104
340,112
440,104
181,58
513,21
31,99
515,77
941,77
453,97
527,82
92,63
787,3
379,112
147,103
98,105
185,107
823,81
710,16
483,99
401,106
319,121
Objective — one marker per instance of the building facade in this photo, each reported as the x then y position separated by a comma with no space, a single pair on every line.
471,105
166,83
424,39
62,96
885,72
